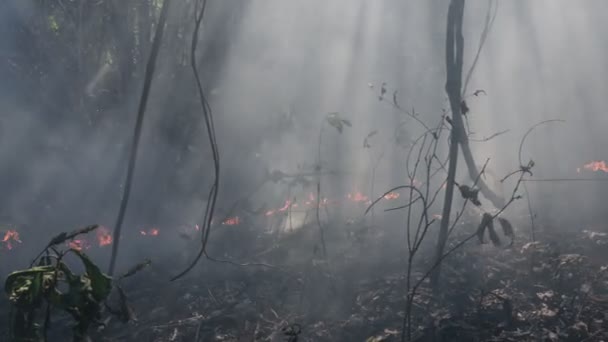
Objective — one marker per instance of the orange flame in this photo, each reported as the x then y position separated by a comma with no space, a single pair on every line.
10,235
286,206
232,221
103,236
391,196
358,197
596,166
150,232
79,245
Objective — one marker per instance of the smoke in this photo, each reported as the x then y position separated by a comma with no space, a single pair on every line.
273,70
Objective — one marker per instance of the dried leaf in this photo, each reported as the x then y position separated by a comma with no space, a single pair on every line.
334,120
545,295
382,91
366,140
470,194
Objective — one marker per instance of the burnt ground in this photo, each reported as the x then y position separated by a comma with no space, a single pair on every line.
554,289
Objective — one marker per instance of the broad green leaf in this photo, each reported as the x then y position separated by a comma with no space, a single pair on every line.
101,284
25,288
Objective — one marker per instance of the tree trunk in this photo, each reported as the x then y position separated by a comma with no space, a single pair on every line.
453,57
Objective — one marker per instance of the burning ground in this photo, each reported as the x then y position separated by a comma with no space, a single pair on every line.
552,289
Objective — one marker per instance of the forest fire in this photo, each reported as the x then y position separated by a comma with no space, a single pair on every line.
103,235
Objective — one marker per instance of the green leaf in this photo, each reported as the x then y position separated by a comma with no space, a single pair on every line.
101,284
25,288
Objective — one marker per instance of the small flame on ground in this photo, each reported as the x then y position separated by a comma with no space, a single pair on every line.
10,235
79,244
104,237
358,197
595,166
232,221
391,196
150,232
104,234
286,206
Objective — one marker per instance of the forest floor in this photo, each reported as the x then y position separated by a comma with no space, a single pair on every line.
554,289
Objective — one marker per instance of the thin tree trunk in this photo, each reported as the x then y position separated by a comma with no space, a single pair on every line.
454,54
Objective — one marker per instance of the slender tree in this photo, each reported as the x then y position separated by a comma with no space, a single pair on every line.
454,46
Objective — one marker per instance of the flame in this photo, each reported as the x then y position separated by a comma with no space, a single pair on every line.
391,196
232,221
150,232
286,206
358,197
596,166
10,235
79,244
103,236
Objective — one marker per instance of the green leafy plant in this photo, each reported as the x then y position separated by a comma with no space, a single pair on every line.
50,284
